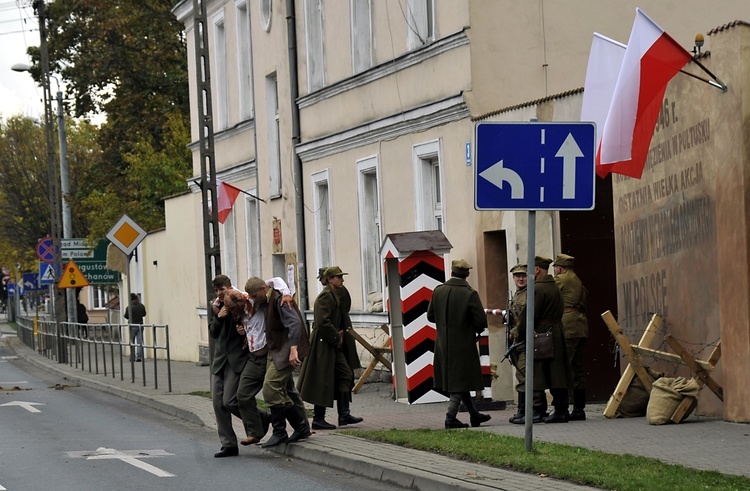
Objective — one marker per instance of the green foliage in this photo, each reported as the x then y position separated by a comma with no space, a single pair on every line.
579,465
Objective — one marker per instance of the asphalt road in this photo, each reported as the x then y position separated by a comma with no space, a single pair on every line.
61,437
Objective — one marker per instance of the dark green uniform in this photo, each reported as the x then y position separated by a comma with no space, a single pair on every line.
576,329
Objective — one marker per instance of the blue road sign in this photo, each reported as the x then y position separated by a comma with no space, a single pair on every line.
47,275
45,250
534,166
11,288
30,282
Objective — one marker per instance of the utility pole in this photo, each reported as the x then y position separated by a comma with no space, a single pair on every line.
53,188
211,244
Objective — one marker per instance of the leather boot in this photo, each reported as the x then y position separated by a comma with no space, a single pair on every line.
345,416
518,418
579,402
452,422
299,424
278,422
319,419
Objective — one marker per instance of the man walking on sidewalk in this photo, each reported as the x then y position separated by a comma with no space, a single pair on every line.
458,313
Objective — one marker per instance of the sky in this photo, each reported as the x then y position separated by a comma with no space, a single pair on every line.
19,94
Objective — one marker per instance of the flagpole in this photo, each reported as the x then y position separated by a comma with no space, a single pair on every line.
245,192
715,82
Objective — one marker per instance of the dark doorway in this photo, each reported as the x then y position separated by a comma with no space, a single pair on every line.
589,237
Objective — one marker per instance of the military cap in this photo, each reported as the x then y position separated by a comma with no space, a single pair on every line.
333,271
542,262
519,269
459,266
564,260
321,272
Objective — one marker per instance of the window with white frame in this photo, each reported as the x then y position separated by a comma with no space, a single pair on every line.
229,247
361,12
244,61
429,187
99,297
369,225
322,219
252,230
420,23
221,115
314,34
274,142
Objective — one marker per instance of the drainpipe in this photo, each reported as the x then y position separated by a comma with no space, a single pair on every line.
291,30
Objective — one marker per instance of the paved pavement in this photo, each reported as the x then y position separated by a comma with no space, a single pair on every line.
701,443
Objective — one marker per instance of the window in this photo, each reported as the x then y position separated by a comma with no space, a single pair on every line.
99,296
229,248
221,115
252,230
361,11
369,225
420,22
244,62
322,220
274,149
314,32
429,189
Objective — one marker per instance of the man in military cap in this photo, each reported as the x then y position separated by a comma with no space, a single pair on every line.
518,352
575,327
322,275
458,313
326,374
554,373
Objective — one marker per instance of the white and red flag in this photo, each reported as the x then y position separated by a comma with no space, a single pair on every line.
225,198
651,59
605,61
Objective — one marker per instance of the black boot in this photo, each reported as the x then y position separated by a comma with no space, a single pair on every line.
560,403
452,422
319,419
518,418
579,402
345,416
299,424
475,417
278,422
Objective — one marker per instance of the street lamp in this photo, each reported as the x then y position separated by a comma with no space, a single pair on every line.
64,183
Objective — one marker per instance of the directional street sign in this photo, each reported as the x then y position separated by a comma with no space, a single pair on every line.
534,166
91,261
30,282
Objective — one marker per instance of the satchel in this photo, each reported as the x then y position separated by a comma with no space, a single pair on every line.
543,347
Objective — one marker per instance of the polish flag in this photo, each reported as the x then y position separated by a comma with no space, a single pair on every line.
605,61
226,196
651,59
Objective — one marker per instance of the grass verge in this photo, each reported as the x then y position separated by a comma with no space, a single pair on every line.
575,464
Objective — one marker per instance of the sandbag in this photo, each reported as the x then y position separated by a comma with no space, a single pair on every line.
635,400
666,394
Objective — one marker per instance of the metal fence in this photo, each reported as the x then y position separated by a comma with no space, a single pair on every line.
101,348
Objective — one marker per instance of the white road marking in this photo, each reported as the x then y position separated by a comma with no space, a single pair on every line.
6,358
2,488
128,456
19,382
29,406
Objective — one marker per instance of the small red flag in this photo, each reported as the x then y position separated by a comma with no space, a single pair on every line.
226,196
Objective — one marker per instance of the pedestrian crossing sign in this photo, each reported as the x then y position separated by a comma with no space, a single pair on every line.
72,277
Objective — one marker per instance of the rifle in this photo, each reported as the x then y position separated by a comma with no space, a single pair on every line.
510,350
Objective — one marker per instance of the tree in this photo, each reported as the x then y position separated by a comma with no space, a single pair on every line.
127,59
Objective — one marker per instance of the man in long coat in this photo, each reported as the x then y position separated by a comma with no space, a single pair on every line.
458,313
575,327
553,374
325,374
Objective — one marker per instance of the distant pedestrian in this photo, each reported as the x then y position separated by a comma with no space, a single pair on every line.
82,316
458,313
575,327
135,312
326,374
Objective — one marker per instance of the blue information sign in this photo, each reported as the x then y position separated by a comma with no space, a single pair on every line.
534,166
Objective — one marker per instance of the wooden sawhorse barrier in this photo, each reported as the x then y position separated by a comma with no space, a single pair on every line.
634,355
377,356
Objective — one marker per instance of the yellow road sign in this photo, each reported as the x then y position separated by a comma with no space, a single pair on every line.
72,277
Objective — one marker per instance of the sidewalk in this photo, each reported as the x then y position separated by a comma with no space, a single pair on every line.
701,443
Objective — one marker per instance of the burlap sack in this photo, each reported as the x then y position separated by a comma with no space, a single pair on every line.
635,400
666,394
